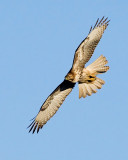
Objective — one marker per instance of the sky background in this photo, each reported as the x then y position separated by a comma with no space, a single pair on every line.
37,44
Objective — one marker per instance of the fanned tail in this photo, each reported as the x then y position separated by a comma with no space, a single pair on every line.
91,86
98,66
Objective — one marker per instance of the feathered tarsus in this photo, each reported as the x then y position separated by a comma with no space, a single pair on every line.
87,79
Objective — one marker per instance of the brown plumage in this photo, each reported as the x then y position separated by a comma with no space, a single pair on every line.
51,105
87,79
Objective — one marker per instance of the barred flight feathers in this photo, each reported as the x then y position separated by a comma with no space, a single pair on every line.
86,48
51,105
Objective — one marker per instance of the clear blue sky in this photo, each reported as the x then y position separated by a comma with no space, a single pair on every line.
37,44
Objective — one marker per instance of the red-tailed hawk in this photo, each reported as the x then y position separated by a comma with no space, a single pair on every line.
87,79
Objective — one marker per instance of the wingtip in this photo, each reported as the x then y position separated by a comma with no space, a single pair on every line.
103,21
31,124
100,22
34,126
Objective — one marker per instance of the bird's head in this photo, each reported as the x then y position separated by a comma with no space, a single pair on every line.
69,77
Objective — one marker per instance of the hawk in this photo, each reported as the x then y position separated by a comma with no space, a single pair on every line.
87,79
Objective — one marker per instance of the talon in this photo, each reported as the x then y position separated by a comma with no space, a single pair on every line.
92,78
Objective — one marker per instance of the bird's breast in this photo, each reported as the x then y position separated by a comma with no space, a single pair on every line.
77,75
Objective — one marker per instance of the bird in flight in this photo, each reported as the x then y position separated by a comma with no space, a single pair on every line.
87,79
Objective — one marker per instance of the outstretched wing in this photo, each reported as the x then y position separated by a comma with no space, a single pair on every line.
86,48
51,105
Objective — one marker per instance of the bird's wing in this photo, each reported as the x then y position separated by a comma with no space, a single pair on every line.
51,105
85,50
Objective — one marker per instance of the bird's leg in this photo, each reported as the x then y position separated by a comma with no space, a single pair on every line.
91,78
